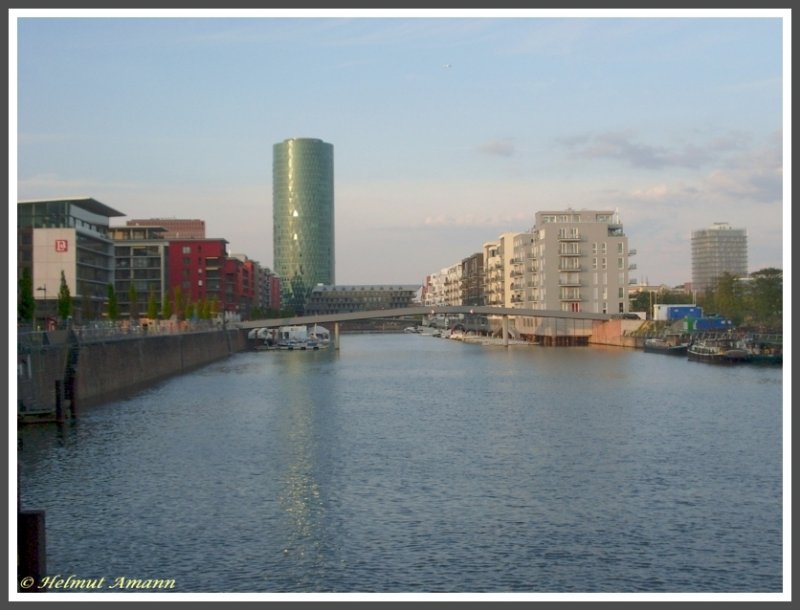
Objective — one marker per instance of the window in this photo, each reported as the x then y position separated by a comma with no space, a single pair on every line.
620,248
186,250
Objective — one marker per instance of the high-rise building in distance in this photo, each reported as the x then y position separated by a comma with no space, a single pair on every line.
717,250
302,218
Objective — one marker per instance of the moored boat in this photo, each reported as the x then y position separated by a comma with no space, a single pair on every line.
722,351
764,351
291,338
663,345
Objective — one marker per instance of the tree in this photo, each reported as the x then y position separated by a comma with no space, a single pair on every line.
756,301
152,305
64,299
765,302
179,303
113,305
213,307
133,299
205,309
166,308
728,298
26,304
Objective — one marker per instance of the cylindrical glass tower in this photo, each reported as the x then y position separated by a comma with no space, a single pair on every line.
302,218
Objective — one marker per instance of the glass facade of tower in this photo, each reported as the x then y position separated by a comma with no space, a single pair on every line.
302,218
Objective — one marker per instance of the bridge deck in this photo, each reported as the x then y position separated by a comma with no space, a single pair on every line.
416,311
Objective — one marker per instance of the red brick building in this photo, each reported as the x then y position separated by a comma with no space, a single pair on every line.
239,293
196,270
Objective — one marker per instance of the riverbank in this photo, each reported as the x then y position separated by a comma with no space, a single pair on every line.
60,373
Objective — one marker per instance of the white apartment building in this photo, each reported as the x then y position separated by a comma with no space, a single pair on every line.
452,284
499,273
573,260
435,289
493,273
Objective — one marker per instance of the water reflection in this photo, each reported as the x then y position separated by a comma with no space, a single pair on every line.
303,384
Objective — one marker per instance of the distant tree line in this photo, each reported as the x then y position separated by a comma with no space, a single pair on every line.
754,302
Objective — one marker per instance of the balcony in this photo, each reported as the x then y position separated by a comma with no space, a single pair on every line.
632,267
570,252
570,283
574,268
632,252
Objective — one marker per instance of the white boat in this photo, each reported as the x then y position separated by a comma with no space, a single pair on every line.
320,335
725,351
291,338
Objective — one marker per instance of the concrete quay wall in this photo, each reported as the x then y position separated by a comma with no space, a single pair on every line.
106,370
612,332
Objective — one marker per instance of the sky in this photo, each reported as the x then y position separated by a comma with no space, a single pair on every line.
449,128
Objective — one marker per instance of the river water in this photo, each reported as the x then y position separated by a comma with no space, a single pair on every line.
407,463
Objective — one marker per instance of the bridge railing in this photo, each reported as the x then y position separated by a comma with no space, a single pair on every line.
109,331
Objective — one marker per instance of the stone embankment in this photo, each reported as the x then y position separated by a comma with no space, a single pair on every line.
59,367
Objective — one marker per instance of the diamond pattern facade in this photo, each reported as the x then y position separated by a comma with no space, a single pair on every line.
302,218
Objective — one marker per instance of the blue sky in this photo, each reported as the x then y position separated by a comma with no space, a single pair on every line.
447,130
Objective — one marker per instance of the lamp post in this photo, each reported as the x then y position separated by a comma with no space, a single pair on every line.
42,288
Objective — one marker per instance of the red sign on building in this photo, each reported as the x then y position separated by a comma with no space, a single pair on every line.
61,245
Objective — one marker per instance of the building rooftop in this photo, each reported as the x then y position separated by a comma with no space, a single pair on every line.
87,203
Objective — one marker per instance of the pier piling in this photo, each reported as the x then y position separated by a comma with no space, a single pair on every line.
31,556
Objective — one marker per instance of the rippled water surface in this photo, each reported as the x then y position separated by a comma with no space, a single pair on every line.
408,463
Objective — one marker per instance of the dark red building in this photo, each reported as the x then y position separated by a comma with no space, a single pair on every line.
196,270
239,292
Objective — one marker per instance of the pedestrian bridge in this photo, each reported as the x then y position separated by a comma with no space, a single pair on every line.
417,311
553,336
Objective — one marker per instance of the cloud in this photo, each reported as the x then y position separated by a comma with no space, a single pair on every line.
653,193
504,222
623,146
499,148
